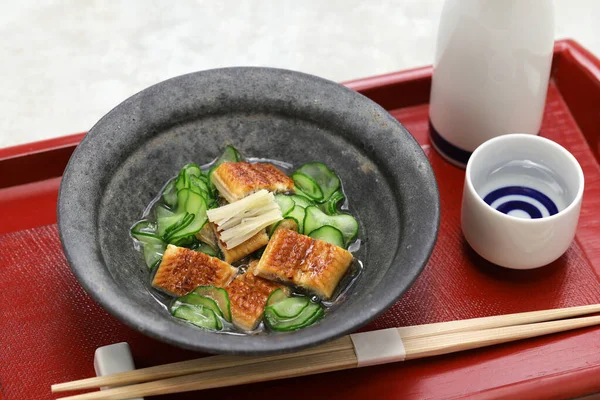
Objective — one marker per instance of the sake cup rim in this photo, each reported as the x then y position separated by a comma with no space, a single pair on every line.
555,147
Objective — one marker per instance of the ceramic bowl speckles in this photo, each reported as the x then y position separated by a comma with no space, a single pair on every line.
129,154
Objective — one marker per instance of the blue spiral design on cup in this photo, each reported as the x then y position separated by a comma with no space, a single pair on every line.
522,199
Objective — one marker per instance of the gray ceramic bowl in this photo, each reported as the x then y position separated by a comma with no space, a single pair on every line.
124,160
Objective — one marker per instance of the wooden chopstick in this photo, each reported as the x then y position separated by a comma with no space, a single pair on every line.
428,346
416,347
497,321
194,366
225,361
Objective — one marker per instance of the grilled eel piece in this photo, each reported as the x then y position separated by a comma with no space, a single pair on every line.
242,250
296,259
236,180
182,270
248,296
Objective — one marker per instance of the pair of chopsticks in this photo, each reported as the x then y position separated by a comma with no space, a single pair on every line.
347,352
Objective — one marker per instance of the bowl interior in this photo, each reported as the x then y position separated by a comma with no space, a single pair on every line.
130,154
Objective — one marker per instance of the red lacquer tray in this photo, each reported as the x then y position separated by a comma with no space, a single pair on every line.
49,327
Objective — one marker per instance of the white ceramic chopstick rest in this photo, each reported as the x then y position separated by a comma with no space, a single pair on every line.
378,347
113,359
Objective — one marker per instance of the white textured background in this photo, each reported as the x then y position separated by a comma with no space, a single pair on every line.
66,63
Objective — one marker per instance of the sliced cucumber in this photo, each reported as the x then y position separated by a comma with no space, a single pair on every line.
147,238
182,196
154,246
276,296
325,178
286,223
182,181
298,214
302,201
315,317
171,223
290,307
143,228
345,223
153,253
189,242
169,195
207,249
230,154
194,299
330,206
328,234
308,186
308,316
192,169
162,212
285,203
298,192
199,316
219,295
194,205
194,226
202,185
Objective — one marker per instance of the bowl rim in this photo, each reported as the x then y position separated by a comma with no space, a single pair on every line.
121,306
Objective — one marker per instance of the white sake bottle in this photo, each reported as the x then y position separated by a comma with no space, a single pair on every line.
491,72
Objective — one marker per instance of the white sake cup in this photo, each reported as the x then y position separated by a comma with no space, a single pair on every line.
534,188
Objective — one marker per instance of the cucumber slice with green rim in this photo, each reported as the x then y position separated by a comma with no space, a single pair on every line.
182,181
285,203
302,201
195,224
275,297
308,186
308,316
154,246
200,192
211,189
325,178
220,297
192,169
290,307
196,182
330,206
143,228
328,234
298,214
298,192
162,212
286,223
172,223
182,195
230,154
195,205
194,202
147,238
189,242
194,299
207,249
345,223
169,195
153,254
199,316
315,317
